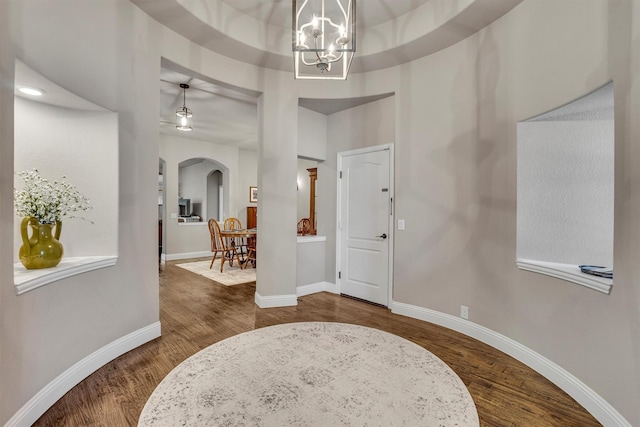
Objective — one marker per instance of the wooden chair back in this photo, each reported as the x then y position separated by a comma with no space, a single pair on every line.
232,224
239,243
217,243
304,226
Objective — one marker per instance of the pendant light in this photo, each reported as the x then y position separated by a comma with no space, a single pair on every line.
183,114
324,38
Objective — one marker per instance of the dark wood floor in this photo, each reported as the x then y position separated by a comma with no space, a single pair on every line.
196,312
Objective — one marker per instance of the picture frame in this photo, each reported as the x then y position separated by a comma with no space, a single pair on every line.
253,194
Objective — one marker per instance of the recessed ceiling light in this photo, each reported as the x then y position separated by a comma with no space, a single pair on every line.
29,90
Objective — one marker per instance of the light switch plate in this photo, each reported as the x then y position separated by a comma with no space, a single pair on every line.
401,224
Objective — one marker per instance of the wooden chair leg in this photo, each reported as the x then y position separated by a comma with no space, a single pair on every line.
251,257
242,263
212,260
222,260
239,261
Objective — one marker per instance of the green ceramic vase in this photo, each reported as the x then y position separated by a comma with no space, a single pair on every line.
42,249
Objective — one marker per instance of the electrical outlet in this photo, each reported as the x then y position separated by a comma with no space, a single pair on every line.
464,311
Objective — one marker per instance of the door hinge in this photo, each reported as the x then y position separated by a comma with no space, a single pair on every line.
340,174
339,274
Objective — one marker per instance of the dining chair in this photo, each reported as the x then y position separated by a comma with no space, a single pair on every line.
220,244
240,243
304,226
251,252
232,224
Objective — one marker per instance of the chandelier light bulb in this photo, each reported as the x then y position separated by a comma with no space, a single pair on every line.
301,40
315,27
343,40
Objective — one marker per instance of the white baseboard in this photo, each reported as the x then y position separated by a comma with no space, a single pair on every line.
275,300
332,287
289,300
53,391
585,396
313,288
185,255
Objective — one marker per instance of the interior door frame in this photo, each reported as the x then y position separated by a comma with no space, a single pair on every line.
391,239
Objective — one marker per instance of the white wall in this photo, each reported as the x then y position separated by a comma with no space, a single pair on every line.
456,185
363,126
241,173
46,331
248,178
310,266
53,139
565,191
183,238
312,134
214,182
194,186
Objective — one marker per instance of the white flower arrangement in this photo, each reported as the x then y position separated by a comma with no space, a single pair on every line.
47,201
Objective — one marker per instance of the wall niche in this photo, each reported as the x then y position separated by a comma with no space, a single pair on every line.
64,135
566,189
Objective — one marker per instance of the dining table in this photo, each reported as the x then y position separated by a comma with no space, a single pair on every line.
250,234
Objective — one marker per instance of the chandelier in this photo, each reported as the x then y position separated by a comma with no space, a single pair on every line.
183,114
324,38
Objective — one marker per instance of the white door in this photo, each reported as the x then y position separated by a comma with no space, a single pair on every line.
365,215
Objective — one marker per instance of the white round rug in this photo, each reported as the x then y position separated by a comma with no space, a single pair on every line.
311,374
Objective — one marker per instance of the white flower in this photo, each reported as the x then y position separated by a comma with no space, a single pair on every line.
47,201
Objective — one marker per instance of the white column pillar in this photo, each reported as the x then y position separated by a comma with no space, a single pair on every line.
277,198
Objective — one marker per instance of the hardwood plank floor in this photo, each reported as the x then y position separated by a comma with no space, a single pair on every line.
196,312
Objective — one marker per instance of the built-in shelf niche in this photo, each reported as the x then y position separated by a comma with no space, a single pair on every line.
565,209
63,135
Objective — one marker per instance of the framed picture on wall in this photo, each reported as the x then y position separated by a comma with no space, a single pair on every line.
253,194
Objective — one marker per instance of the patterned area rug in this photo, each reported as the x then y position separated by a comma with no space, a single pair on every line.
229,276
311,374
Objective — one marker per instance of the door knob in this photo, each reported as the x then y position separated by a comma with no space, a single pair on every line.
384,235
